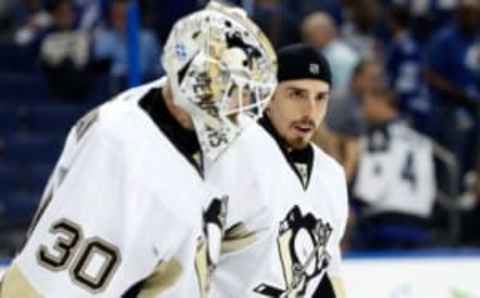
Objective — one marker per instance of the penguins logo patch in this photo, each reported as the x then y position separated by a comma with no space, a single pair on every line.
302,250
208,246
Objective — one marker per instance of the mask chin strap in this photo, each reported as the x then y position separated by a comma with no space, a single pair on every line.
215,139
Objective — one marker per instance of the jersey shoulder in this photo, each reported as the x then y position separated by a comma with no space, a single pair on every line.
117,115
405,133
121,125
327,164
121,120
332,176
255,144
256,134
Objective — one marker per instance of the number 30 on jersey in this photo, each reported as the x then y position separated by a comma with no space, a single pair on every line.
91,262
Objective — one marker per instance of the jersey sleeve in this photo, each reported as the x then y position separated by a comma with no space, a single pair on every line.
341,210
93,234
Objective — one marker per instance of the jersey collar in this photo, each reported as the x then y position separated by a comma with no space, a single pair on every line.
300,161
186,141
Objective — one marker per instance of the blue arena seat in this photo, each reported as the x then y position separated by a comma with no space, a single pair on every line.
8,120
11,178
27,148
17,59
100,90
23,89
19,207
38,176
53,118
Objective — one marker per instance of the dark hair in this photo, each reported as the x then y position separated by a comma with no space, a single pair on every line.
385,95
52,5
360,67
400,15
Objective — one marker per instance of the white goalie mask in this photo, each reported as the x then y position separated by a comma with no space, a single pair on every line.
220,66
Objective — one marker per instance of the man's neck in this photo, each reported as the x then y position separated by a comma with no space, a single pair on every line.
184,139
295,158
386,118
267,123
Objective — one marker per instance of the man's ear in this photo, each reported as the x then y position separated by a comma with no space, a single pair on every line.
273,99
267,110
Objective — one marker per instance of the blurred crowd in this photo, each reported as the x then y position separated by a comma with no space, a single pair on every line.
74,39
404,114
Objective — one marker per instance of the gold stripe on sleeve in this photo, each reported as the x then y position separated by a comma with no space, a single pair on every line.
237,237
15,285
164,276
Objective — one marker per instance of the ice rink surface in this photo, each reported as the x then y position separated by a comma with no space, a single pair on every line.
445,274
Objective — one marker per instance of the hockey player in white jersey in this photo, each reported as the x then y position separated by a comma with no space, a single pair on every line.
288,199
395,180
126,212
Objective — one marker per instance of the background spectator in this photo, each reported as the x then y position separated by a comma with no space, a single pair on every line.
110,44
453,74
395,179
360,27
427,15
319,30
36,20
404,68
300,9
344,117
90,13
277,22
65,53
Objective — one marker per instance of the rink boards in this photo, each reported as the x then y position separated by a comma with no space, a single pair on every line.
451,275
426,275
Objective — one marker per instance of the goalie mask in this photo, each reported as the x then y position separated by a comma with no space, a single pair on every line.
220,66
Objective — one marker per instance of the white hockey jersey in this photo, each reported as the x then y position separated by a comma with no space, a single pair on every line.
124,215
284,225
396,171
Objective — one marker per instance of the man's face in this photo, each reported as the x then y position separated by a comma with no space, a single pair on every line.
371,77
317,34
297,109
371,108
